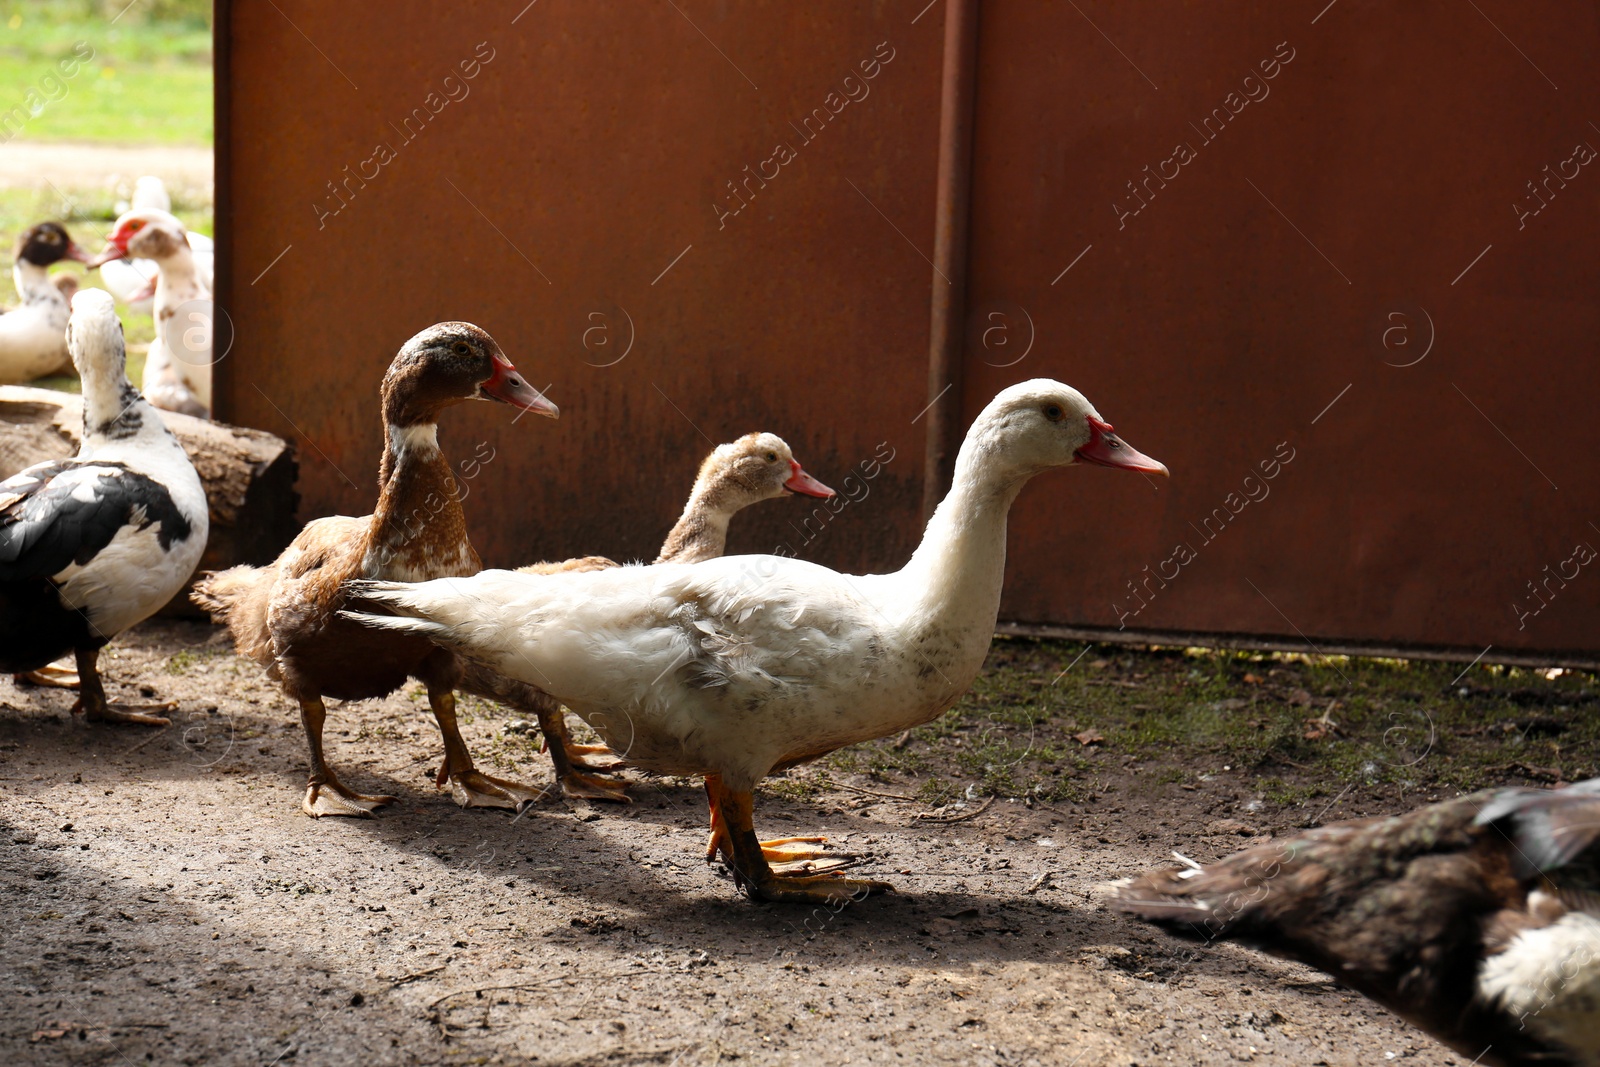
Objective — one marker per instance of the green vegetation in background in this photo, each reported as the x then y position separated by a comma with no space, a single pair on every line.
1052,720
88,214
150,81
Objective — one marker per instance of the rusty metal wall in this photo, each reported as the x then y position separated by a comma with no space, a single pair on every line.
1356,217
575,203
1347,265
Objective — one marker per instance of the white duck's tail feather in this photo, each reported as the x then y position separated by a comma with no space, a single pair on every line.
429,609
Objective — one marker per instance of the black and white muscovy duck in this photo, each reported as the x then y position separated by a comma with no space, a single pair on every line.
1476,919
33,336
91,545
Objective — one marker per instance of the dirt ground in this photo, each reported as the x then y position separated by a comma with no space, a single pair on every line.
164,900
28,165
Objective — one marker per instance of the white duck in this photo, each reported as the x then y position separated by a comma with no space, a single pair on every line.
91,545
132,281
177,371
734,667
33,337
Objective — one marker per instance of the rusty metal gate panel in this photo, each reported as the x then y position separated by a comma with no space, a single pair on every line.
1348,266
1333,263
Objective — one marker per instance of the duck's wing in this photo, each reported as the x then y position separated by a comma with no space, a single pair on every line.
60,514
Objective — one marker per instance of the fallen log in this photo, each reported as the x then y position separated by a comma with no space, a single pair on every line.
248,475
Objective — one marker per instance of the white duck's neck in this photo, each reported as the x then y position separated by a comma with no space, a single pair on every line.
117,421
32,281
958,570
178,279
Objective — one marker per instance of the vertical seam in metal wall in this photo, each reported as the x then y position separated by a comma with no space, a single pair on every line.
222,183
958,90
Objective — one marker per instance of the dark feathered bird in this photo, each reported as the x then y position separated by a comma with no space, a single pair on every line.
1477,919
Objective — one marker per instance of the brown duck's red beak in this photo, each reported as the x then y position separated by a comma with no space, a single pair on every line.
1106,449
508,387
76,254
801,482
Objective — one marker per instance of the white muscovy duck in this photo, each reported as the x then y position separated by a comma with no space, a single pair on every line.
734,667
131,281
177,370
91,545
33,337
1476,919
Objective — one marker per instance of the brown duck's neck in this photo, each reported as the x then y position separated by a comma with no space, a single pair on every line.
418,528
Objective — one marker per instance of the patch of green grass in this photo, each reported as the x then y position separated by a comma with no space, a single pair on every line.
147,78
1052,721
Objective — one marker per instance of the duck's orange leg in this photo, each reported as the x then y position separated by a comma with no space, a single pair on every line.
567,756
470,787
325,794
774,850
745,857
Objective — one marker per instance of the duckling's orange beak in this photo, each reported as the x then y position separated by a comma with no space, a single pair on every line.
801,482
508,387
1106,449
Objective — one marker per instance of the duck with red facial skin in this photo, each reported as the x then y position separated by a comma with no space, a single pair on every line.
286,616
177,371
735,667
756,467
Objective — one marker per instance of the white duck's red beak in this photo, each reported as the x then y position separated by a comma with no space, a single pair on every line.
508,387
801,482
1106,449
116,248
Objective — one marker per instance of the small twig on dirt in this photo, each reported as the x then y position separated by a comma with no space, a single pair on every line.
1552,773
413,976
147,740
979,810
1040,881
902,741
873,792
552,980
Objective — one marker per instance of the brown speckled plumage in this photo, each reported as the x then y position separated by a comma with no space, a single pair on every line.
1404,909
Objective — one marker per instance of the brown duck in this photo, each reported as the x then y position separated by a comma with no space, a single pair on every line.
285,616
1477,919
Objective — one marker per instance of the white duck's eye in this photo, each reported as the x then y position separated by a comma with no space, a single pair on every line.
461,348
1053,412
772,457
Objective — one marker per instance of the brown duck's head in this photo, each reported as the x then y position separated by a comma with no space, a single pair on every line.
148,233
758,466
450,362
47,243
